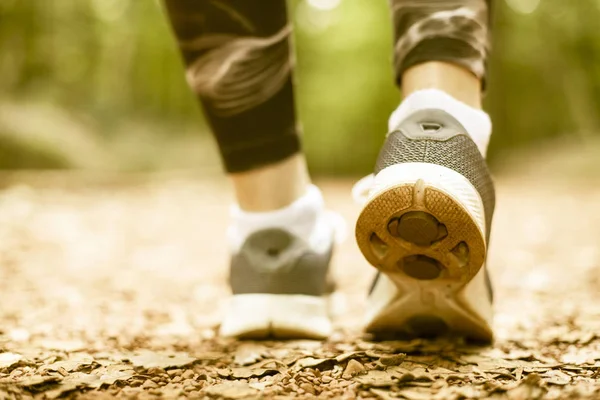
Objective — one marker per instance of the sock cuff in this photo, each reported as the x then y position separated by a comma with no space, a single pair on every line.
476,122
298,218
310,200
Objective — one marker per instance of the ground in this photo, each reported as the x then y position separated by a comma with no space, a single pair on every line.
113,286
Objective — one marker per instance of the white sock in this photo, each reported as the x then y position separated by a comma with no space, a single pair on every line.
304,218
476,122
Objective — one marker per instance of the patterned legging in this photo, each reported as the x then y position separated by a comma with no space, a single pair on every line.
237,58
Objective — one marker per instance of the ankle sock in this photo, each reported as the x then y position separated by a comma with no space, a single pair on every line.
303,218
476,122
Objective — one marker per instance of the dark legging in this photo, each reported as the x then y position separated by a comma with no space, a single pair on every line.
237,57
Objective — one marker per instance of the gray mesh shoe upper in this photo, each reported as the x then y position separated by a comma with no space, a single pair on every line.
273,261
435,137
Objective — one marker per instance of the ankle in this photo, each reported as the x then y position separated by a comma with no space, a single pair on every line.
453,79
272,187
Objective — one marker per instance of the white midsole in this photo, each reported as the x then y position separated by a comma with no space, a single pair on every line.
298,315
442,178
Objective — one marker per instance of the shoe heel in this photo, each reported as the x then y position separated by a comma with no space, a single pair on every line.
429,243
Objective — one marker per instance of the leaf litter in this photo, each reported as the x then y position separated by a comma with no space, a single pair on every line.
99,332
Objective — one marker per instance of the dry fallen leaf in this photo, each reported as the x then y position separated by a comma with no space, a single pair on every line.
231,390
149,359
62,389
310,362
101,376
376,379
76,364
529,388
245,372
382,394
7,359
352,369
392,360
249,353
36,382
556,377
209,356
519,373
400,346
488,364
270,363
351,354
413,394
418,374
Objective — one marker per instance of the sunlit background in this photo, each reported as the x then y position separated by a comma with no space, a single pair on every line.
99,83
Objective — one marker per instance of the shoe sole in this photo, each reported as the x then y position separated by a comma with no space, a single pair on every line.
262,316
423,228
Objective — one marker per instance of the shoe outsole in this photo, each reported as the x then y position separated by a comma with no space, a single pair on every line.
430,247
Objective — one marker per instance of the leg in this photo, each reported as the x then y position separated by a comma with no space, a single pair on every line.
443,45
455,80
426,222
237,58
238,63
440,59
273,186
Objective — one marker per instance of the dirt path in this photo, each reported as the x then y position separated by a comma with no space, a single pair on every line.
114,290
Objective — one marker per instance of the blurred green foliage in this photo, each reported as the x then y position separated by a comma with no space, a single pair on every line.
112,66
